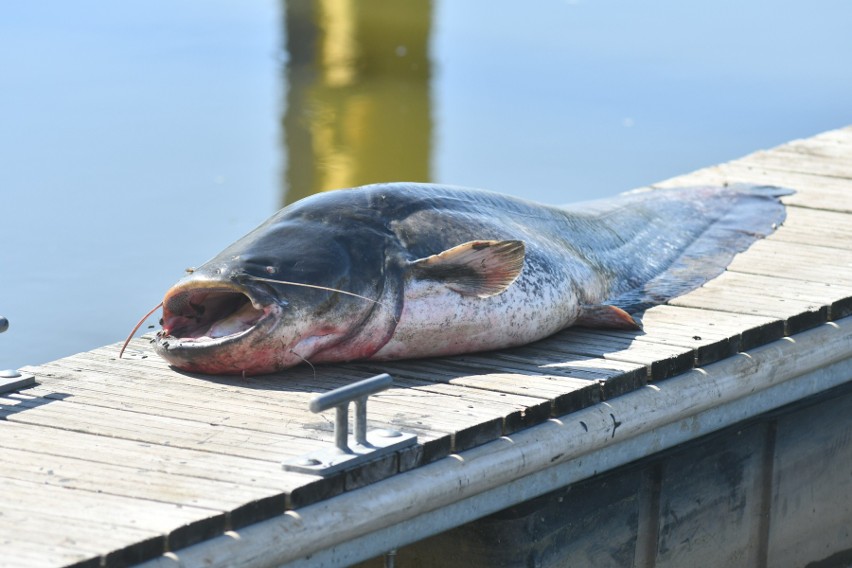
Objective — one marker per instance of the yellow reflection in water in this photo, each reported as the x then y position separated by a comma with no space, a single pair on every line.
358,107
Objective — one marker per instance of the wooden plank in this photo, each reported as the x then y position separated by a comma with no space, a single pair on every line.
812,190
661,361
584,379
413,371
836,299
803,315
498,412
23,549
713,335
508,376
815,227
801,305
230,413
341,376
152,429
249,407
714,501
166,526
78,541
473,432
69,505
819,160
158,432
823,265
165,459
127,481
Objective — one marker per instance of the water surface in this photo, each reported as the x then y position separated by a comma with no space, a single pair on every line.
140,138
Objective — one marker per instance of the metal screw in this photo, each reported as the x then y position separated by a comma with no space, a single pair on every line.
388,433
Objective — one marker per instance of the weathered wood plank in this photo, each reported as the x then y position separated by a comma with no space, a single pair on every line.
812,190
808,166
158,432
721,298
822,265
232,412
463,420
149,428
801,305
662,361
819,160
25,541
20,552
69,504
165,525
165,459
816,227
713,335
274,388
126,481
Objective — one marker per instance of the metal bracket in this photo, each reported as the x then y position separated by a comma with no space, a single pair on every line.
13,381
366,446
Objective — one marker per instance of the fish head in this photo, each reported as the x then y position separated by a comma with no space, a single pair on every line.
287,293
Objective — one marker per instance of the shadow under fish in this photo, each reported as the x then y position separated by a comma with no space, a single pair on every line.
405,270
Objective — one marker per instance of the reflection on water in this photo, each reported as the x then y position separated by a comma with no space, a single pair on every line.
142,139
358,106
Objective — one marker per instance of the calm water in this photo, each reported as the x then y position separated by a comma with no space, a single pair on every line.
139,138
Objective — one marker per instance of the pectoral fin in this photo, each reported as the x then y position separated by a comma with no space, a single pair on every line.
605,316
475,268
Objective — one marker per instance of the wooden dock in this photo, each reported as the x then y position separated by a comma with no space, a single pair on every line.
111,462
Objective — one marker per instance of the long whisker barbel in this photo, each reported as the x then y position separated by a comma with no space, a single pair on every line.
135,329
327,289
317,287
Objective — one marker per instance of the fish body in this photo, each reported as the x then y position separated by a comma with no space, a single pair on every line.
406,270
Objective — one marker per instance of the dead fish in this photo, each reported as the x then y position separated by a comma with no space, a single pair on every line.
405,270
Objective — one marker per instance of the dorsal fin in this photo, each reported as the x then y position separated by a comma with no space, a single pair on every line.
475,268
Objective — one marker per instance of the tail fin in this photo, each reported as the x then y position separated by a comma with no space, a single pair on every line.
673,241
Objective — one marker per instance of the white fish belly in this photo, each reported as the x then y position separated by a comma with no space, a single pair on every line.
438,321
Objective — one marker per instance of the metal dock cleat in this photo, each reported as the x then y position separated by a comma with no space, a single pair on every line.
364,446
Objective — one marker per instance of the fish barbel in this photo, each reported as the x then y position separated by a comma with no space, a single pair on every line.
406,270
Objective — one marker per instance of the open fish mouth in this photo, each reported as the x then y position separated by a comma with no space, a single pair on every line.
208,314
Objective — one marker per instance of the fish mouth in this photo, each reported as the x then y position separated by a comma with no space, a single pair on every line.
202,315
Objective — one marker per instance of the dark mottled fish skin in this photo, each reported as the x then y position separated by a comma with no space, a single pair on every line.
632,251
